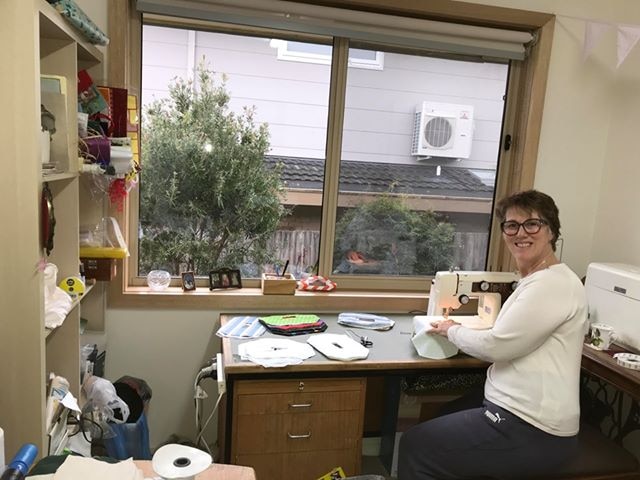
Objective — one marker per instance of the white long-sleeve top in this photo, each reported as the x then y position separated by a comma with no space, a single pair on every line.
535,346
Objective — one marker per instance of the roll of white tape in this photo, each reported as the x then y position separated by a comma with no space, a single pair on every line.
179,462
628,360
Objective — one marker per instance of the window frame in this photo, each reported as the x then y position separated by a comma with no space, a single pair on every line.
522,120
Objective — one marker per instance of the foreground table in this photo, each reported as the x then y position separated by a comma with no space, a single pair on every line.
214,472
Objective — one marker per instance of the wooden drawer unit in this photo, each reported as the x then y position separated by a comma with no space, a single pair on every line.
298,428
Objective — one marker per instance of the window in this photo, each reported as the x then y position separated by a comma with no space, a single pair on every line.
524,102
314,53
399,212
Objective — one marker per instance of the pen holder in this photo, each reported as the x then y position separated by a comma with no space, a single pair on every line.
278,285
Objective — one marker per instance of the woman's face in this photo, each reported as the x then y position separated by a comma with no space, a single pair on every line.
528,249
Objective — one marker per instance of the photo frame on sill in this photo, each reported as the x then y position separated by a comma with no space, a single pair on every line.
225,278
188,281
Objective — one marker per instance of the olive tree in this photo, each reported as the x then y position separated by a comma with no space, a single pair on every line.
207,198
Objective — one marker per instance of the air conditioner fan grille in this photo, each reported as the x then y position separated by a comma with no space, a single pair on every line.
438,132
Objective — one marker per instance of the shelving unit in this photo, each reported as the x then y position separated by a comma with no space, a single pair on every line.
36,41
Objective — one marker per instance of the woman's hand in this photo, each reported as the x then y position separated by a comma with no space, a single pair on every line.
442,327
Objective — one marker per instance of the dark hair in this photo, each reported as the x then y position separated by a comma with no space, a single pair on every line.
530,201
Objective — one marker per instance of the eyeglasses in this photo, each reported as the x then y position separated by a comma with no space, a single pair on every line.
531,226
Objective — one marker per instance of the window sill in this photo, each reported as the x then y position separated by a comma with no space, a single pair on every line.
252,299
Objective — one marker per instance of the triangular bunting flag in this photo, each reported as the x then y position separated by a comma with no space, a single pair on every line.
627,38
592,33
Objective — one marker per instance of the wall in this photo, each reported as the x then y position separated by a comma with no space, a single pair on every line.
292,97
587,161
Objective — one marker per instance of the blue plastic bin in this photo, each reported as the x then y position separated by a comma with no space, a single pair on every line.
130,440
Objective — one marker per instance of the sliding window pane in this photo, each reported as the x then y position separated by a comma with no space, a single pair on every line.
418,166
235,182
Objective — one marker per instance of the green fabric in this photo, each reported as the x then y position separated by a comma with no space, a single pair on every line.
290,319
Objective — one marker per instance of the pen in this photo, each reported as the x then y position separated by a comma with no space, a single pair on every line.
284,269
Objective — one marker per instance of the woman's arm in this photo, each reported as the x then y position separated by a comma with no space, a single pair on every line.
539,307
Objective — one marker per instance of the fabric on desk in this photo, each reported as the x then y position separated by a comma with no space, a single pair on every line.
75,468
275,352
242,327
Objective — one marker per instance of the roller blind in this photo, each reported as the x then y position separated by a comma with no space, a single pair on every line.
362,26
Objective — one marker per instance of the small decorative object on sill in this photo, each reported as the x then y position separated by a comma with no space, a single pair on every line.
273,284
224,278
317,283
188,282
158,280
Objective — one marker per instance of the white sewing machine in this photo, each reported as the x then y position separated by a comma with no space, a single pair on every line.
613,295
451,290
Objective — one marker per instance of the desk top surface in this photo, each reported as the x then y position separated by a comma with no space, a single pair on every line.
392,350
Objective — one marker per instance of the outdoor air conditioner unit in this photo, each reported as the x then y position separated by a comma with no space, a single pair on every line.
442,130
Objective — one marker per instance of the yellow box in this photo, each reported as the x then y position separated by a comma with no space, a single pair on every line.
278,285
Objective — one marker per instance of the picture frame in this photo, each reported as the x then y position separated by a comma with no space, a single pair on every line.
188,281
225,278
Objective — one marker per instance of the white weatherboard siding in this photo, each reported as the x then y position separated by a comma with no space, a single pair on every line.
292,97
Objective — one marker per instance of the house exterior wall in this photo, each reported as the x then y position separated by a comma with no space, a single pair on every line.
292,96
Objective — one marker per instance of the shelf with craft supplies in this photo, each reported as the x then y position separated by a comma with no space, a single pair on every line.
53,26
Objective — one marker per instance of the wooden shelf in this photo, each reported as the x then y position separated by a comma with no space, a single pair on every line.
55,28
54,177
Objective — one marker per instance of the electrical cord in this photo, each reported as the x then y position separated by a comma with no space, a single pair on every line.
84,423
199,437
199,395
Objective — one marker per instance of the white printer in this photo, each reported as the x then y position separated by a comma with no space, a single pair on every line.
613,295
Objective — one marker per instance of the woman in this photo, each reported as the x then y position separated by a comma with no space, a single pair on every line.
527,425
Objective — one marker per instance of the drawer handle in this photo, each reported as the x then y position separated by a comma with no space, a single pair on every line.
300,405
306,435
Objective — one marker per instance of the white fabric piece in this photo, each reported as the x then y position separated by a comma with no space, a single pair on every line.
275,352
627,39
75,467
338,346
365,320
536,350
57,303
593,32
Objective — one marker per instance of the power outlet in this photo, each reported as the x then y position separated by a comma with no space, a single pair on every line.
222,385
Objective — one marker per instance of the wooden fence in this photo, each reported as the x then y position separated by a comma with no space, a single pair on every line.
300,247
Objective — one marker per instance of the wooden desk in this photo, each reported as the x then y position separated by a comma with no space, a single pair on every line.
614,393
214,472
391,356
602,365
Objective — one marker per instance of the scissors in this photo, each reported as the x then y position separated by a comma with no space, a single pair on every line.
364,340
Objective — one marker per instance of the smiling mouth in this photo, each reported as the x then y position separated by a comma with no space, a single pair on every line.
523,244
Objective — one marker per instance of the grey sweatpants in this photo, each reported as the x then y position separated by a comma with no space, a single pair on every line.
481,443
